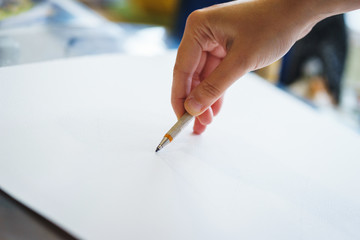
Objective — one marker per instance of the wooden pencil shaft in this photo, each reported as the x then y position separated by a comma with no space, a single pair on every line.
180,124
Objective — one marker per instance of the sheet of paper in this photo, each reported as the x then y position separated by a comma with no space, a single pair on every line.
78,139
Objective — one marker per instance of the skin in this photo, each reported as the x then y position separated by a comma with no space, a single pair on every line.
223,42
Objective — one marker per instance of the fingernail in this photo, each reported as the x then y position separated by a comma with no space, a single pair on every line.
192,106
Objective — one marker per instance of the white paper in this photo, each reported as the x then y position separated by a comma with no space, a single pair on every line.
78,139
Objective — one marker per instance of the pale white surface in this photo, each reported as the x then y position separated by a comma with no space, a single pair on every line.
77,144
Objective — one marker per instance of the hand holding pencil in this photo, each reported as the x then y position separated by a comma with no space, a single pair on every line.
223,42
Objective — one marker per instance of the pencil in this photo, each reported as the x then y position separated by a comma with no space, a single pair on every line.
171,134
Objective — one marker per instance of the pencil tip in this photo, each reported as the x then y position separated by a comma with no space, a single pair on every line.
157,149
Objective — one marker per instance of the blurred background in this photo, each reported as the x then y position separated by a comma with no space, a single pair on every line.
323,69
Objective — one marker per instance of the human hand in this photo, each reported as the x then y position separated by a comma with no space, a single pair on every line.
223,42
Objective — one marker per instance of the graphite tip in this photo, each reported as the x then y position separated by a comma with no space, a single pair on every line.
157,149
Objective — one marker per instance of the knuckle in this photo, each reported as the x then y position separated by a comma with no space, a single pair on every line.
195,17
196,77
174,102
177,69
210,90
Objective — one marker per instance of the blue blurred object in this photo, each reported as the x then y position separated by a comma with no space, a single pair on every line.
186,7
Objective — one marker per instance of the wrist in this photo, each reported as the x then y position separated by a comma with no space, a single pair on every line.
295,18
320,9
303,15
334,7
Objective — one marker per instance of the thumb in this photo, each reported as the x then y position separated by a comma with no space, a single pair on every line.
214,86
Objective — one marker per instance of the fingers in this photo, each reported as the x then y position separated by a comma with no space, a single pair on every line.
217,106
189,63
199,128
214,86
206,117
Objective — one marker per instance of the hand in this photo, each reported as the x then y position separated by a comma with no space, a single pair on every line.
223,42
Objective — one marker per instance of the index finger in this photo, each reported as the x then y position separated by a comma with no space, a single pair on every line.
188,61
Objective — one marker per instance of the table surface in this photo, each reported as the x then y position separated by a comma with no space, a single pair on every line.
78,140
18,222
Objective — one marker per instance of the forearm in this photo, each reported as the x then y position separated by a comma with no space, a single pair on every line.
320,9
333,7
302,15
